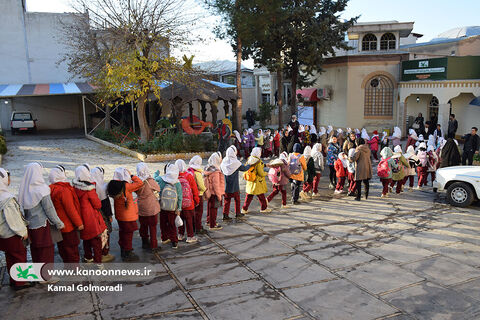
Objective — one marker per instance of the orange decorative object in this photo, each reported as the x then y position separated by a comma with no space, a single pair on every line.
196,126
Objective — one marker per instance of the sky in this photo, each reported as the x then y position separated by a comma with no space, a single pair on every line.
431,17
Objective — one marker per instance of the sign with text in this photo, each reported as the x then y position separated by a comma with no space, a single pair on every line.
427,69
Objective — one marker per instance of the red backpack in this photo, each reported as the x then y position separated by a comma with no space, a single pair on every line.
383,169
187,195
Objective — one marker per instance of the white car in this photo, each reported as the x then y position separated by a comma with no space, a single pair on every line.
462,184
22,121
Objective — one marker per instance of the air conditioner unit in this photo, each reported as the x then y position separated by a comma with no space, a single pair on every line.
323,94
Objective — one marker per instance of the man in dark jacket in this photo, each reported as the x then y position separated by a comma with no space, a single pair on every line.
250,115
452,126
472,143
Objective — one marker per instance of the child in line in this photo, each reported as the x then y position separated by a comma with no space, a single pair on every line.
398,174
90,205
259,139
196,169
341,172
384,141
332,156
13,230
67,207
148,208
276,143
319,162
246,144
297,165
412,138
432,162
121,188
385,170
373,143
413,162
215,184
98,175
170,203
39,211
309,174
190,200
423,167
279,176
256,183
352,186
230,167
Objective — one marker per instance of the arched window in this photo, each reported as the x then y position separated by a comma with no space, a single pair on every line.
388,42
379,97
433,109
369,42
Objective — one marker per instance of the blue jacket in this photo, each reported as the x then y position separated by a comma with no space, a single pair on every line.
38,216
231,181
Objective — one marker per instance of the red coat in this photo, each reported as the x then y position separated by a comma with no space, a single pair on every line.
191,181
374,143
90,206
340,169
67,205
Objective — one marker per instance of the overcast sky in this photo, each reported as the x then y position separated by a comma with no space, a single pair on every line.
431,17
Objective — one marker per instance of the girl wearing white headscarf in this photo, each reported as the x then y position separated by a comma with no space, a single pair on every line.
13,229
256,182
413,163
398,176
190,199
259,138
310,174
98,176
230,167
169,186
279,175
121,189
34,198
196,169
364,135
396,136
384,140
67,206
412,138
319,163
423,167
148,208
215,183
433,162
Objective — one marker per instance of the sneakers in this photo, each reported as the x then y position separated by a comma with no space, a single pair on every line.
240,216
284,206
308,195
191,240
108,258
315,194
129,256
267,210
390,189
227,218
384,196
331,186
180,237
244,211
417,188
87,260
175,245
167,241
303,195
100,266
338,191
217,227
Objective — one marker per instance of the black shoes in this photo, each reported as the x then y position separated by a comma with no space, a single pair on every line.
145,243
129,256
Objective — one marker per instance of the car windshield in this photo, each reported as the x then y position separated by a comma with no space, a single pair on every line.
22,116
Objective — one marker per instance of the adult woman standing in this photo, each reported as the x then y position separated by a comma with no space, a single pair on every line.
363,167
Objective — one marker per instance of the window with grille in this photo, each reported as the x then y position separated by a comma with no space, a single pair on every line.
388,41
369,42
379,97
433,107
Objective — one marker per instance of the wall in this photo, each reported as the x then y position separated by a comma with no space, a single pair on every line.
467,116
414,107
52,112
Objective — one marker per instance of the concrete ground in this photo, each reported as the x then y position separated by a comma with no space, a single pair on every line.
406,257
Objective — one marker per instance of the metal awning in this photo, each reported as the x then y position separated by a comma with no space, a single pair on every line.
45,89
309,94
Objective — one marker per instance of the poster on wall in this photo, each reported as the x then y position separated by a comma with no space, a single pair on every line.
305,115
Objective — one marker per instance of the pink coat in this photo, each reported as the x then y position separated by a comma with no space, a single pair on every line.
215,184
148,204
373,143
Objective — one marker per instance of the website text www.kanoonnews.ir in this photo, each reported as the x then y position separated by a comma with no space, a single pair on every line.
84,277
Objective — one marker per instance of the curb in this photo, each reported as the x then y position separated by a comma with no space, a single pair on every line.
151,157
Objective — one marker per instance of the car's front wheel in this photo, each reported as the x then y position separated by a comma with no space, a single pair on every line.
460,194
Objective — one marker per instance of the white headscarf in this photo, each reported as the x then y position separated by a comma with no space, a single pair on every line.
349,130
254,156
430,148
384,135
142,171
413,134
171,175
431,141
195,162
357,131
422,145
260,133
250,130
284,156
4,193
83,174
301,128
322,131
181,165
100,185
410,152
317,148
230,163
237,135
122,174
307,152
313,129
329,129
441,142
215,160
364,134
32,187
339,131
398,149
397,133
57,174
343,157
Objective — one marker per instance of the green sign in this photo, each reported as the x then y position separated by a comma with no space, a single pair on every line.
427,69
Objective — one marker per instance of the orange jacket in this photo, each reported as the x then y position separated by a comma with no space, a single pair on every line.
66,204
125,208
340,169
300,176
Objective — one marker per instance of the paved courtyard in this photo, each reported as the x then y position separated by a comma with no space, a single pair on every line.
405,257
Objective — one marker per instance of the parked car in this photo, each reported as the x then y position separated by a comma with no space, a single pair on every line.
22,121
462,184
